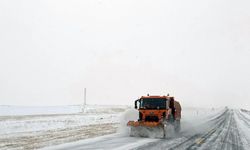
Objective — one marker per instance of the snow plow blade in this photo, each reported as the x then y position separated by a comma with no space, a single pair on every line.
146,129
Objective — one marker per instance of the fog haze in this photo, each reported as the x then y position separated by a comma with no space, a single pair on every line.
198,51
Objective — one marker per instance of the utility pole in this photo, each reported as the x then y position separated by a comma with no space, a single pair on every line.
85,96
85,99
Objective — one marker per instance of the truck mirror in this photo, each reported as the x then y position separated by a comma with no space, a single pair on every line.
136,104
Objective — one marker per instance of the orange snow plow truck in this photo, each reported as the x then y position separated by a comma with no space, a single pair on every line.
158,115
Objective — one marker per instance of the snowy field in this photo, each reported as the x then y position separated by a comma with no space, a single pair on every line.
104,127
36,127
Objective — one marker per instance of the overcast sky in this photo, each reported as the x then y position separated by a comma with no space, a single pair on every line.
196,50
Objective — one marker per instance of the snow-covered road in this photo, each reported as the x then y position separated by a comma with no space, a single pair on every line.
225,130
105,128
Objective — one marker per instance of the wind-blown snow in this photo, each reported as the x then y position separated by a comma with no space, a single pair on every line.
193,119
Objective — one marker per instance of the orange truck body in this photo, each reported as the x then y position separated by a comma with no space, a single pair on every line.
161,114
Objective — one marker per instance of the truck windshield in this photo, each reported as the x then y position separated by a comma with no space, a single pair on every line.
153,103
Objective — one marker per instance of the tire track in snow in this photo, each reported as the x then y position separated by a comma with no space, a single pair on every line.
223,135
243,127
188,142
244,118
201,139
231,138
227,136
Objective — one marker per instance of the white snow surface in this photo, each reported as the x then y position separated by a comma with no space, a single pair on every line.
61,117
229,129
